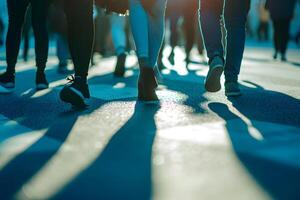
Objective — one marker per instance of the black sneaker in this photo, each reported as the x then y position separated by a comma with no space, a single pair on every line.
41,81
120,66
7,82
212,81
75,92
232,89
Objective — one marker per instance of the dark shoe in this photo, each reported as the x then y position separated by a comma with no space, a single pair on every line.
147,84
75,92
232,89
41,81
120,67
275,56
212,81
7,82
171,58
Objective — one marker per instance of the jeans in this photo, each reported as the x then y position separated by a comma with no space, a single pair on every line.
148,30
235,16
118,25
16,11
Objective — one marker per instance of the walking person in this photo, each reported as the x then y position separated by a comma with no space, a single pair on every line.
147,22
220,59
16,11
281,13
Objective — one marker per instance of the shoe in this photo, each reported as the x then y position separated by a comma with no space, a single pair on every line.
275,56
7,82
120,67
147,84
75,92
232,89
41,81
212,81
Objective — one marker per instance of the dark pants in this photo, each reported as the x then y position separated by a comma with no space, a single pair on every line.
187,10
16,11
79,15
281,35
235,15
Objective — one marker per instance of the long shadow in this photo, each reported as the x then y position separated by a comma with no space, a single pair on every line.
123,170
59,122
272,161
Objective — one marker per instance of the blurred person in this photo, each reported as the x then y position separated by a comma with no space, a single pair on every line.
58,25
235,15
16,11
119,38
281,13
147,19
263,27
79,15
187,10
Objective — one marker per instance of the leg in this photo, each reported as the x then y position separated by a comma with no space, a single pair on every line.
118,31
156,27
235,13
139,27
285,37
16,12
189,14
79,15
210,20
276,37
210,16
39,25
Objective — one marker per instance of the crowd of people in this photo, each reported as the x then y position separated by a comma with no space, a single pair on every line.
217,26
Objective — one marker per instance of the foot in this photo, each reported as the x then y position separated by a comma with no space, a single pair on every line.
41,81
120,67
147,84
76,92
212,81
275,56
7,82
232,89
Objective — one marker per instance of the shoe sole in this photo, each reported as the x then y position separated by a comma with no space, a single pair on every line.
212,82
69,96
